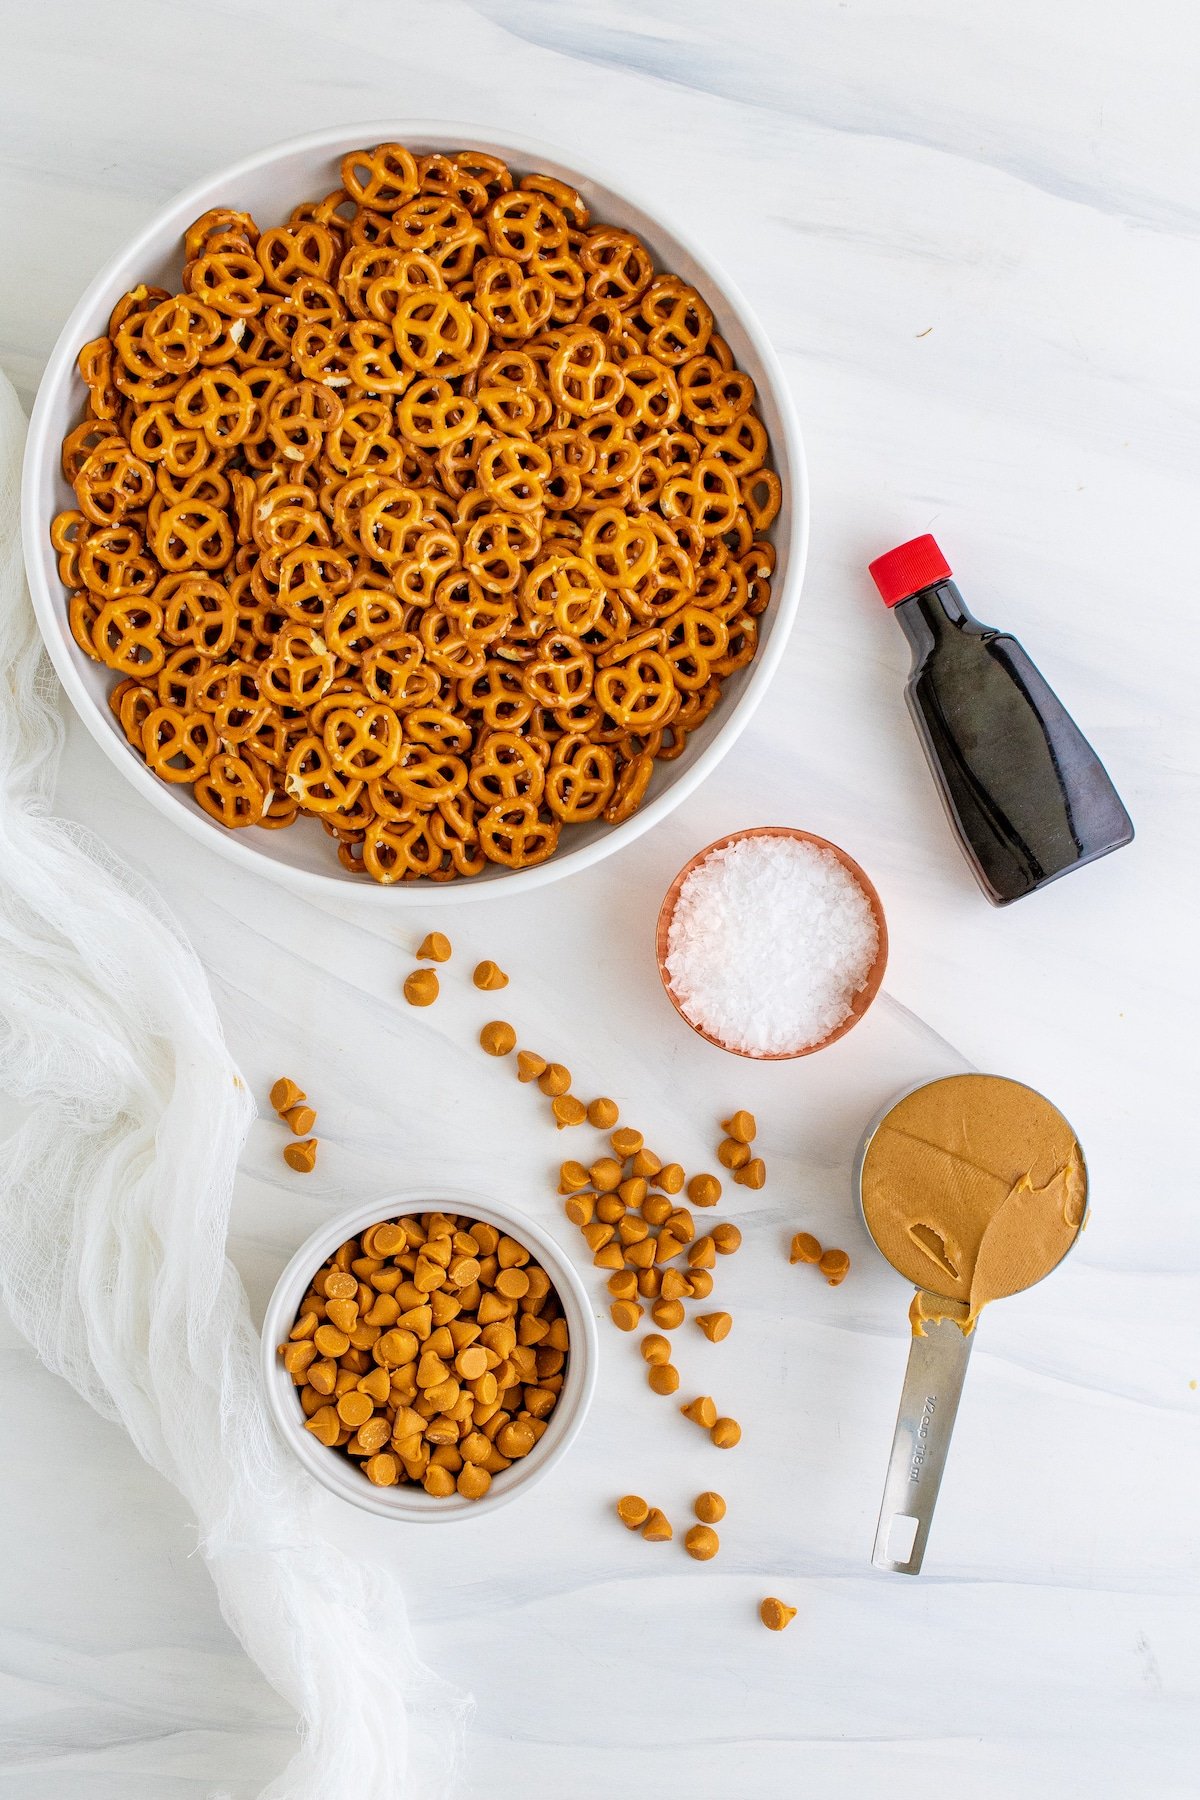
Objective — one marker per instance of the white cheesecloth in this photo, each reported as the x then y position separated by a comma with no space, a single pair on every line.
114,1205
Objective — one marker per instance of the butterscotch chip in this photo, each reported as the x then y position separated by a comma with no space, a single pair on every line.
681,1224
512,1283
434,947
383,1469
498,1038
301,1119
421,988
438,1481
656,1209
834,1266
742,1126
674,1285
625,1314
655,1349
702,1254
603,1113
340,1285
471,1362
709,1507
330,1341
715,1326
668,1314
568,1110
726,1433
626,1142
301,1157
554,1079
646,1164
530,1065
805,1248
597,1234
606,1175
633,1190
775,1615
285,1094
489,976
753,1175
571,1176
473,1482
610,1256
700,1282
632,1511
610,1208
640,1256
354,1409
649,1283
726,1238
731,1154
580,1208
663,1378
669,1178
657,1529
704,1190
667,1246
701,1411
623,1285
702,1542
388,1240
516,1439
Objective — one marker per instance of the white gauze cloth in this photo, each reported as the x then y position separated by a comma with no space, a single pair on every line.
114,1204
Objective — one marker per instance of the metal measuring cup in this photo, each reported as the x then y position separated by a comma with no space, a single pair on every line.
933,1383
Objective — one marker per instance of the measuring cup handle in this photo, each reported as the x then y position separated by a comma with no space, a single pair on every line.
937,1364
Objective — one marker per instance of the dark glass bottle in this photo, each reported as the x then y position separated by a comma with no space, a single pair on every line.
1027,795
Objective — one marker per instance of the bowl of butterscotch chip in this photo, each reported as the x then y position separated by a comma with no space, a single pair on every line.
406,506
429,1355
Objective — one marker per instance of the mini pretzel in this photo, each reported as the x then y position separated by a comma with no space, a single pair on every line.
433,512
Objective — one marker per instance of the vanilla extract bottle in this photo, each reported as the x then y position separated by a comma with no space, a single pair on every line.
1027,796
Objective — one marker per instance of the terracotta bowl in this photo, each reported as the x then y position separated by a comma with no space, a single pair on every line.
862,999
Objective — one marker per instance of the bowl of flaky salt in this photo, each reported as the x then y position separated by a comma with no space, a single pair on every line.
771,943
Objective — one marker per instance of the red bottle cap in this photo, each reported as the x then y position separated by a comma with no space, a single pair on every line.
907,569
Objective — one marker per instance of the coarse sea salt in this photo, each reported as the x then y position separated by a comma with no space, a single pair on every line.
770,940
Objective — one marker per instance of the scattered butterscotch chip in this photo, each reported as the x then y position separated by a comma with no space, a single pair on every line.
596,1234
554,1079
301,1119
669,1178
625,1314
655,1349
709,1507
632,1511
834,1266
498,1038
421,988
530,1065
733,1155
674,1285
668,1314
285,1094
702,1542
623,1285
489,976
606,1174
775,1614
805,1248
580,1208
726,1433
701,1411
610,1256
726,1238
633,1190
301,1157
657,1529
434,947
646,1164
626,1141
610,1207
663,1378
754,1174
702,1254
567,1110
704,1190
571,1177
743,1126
655,1209
700,1282
603,1113
715,1326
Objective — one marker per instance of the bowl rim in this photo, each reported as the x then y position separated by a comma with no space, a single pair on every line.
406,1503
860,1001
40,446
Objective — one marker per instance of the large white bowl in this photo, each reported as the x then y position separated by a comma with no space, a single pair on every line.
269,184
409,1502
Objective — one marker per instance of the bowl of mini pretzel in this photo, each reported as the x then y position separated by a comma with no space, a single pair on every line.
403,506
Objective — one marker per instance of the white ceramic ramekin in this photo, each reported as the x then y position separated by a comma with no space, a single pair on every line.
269,184
409,1502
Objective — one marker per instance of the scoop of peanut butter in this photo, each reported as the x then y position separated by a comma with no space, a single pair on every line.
973,1187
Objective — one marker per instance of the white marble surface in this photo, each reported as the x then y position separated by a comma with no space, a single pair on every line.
972,233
